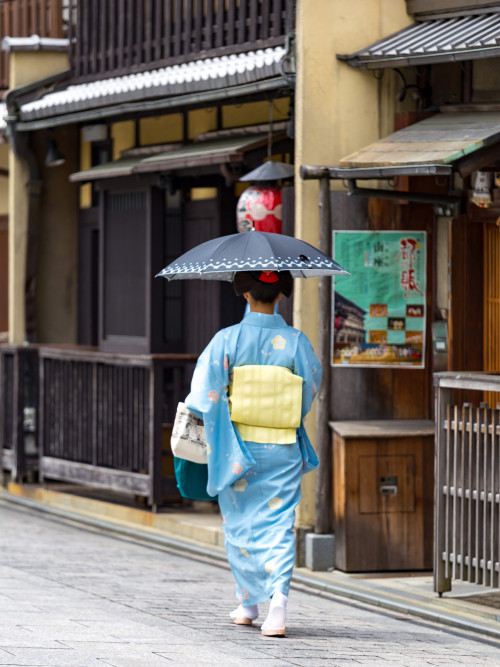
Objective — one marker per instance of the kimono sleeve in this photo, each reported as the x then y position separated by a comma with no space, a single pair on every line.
228,456
307,365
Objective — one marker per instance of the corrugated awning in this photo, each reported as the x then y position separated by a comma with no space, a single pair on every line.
219,151
122,167
433,41
231,149
436,145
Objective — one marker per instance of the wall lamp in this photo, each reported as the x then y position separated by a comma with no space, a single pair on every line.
54,157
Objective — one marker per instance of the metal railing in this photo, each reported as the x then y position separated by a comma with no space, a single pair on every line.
467,500
118,36
22,18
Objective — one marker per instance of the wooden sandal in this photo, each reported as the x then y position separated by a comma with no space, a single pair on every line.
274,632
242,620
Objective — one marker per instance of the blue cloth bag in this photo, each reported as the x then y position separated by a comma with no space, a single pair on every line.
192,479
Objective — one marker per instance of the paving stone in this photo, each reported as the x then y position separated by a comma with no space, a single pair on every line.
76,597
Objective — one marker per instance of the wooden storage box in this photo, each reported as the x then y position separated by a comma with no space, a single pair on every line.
383,485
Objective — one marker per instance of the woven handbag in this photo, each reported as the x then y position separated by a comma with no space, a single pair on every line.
188,436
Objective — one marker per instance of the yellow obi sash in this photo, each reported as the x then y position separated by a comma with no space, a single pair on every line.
266,403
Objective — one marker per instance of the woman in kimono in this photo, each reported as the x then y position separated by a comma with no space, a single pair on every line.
252,386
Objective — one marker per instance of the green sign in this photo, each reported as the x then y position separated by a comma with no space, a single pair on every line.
379,310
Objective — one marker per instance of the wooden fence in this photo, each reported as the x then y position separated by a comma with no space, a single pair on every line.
22,18
102,420
467,501
120,36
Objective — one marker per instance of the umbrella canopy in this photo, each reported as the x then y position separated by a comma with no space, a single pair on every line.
220,258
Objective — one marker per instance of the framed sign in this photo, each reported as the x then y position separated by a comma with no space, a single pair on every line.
379,311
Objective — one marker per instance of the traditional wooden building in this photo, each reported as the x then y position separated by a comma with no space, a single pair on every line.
160,110
19,18
415,144
157,114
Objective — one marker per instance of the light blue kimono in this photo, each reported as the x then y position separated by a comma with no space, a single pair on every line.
258,485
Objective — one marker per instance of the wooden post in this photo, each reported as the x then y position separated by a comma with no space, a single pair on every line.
324,509
443,397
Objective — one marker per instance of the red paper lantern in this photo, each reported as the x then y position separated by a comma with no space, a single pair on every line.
259,208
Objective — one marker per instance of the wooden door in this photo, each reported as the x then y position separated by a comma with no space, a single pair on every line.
124,262
202,297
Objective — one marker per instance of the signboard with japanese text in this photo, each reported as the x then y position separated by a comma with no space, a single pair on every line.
379,311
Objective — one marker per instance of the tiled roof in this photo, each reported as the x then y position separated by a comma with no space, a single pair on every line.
199,75
433,41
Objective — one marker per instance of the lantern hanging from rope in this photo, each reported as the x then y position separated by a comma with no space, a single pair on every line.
260,205
260,208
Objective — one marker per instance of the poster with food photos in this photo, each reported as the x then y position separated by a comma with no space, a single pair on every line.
379,311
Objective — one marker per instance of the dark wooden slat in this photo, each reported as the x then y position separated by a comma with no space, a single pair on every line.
219,37
264,26
66,442
121,25
103,37
242,21
277,18
130,46
134,401
41,423
168,38
254,14
112,412
289,24
178,27
75,41
148,29
128,442
158,30
188,27
83,23
95,413
94,36
231,21
209,24
198,26
53,413
139,33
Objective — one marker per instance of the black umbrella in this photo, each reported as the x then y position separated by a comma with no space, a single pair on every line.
220,258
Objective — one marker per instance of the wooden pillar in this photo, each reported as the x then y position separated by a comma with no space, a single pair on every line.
324,509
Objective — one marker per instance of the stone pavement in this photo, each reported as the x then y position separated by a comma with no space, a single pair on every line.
76,596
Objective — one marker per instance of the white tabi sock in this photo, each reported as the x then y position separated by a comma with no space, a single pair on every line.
251,612
276,617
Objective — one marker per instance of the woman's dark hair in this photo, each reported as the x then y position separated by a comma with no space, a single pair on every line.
257,283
